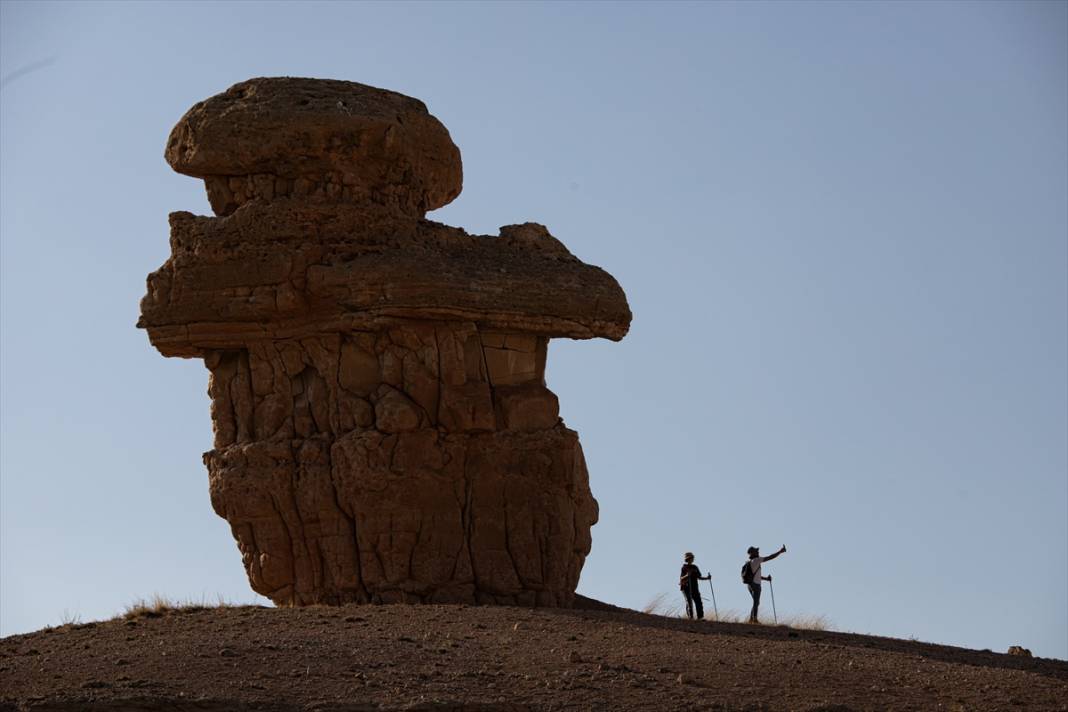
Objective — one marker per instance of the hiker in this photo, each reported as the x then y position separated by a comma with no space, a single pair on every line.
751,576
688,585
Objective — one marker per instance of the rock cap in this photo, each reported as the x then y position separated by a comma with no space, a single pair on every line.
320,138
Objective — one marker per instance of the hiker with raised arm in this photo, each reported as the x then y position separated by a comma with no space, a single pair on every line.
752,577
688,585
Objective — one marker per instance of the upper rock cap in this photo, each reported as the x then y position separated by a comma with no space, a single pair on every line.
336,140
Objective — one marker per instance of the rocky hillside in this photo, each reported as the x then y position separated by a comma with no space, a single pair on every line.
442,657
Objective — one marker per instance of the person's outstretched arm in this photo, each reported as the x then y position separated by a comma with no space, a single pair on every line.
780,551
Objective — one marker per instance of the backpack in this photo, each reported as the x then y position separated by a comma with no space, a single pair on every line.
747,573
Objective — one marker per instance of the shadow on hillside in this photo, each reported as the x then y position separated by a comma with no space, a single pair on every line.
591,608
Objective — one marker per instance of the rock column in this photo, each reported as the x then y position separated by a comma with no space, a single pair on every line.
383,432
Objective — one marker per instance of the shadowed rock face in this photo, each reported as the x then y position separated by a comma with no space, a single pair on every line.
382,427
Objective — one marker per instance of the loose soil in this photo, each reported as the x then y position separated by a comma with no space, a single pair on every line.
498,658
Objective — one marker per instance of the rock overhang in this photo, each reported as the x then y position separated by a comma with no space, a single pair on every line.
229,276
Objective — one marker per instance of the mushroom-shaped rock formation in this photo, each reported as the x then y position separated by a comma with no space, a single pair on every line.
383,432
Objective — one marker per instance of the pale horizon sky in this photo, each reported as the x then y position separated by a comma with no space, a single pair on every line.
842,229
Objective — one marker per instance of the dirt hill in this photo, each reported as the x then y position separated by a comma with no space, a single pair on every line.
405,657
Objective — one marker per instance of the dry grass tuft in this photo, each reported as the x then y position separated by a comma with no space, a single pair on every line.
69,618
159,605
669,605
663,605
812,622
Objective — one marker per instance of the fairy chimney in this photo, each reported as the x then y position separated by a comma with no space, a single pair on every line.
382,428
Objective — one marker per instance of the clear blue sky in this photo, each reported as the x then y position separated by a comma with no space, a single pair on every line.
842,228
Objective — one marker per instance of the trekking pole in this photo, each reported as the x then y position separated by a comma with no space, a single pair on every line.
774,612
714,606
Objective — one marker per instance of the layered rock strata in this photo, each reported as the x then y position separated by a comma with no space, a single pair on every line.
383,431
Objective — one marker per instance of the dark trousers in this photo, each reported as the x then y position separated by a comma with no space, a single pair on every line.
754,591
693,600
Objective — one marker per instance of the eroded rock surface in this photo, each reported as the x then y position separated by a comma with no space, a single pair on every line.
383,431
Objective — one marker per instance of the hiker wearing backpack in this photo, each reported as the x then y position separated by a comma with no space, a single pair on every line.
688,585
752,578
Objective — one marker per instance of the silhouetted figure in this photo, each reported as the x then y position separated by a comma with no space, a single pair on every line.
688,585
754,577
